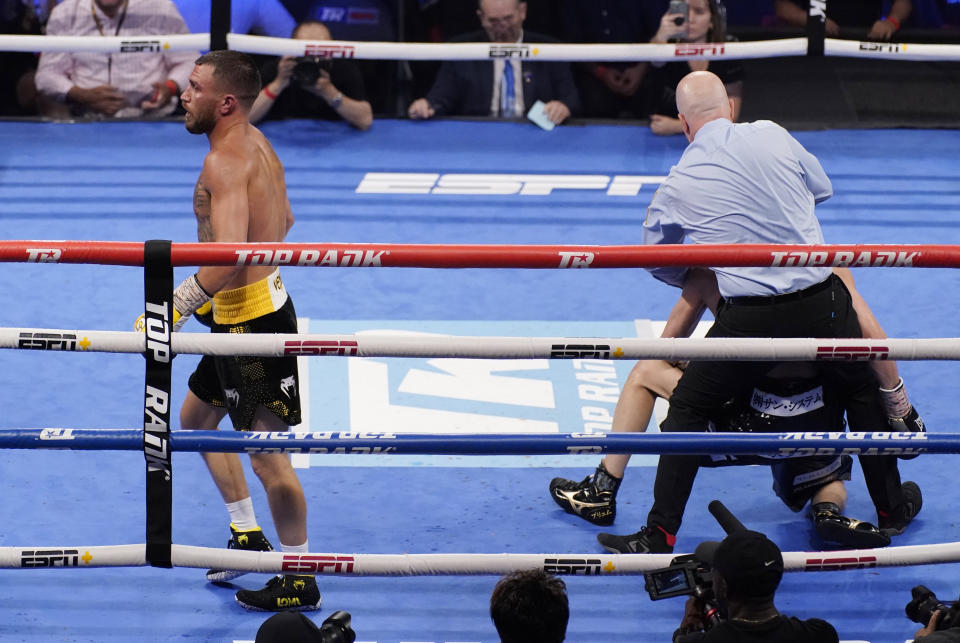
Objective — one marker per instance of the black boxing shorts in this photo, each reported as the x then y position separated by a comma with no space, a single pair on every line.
241,384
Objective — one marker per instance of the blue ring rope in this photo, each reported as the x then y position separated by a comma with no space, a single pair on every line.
771,444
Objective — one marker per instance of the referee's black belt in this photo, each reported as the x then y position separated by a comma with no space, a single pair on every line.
769,300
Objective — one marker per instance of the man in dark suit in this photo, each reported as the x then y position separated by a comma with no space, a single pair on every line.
503,87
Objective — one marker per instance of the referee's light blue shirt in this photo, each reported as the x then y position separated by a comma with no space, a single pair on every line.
741,183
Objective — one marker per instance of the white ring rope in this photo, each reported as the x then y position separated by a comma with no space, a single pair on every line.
444,564
108,44
560,52
407,344
890,50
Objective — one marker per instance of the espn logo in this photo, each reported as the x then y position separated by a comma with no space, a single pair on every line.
692,50
48,341
510,51
320,347
882,47
579,351
128,46
852,353
329,51
51,558
573,566
833,564
317,564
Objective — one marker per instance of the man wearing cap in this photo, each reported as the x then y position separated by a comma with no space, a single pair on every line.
747,567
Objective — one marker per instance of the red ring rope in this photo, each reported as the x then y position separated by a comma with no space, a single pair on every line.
128,253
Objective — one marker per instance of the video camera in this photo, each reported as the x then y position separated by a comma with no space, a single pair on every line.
924,603
308,69
336,629
686,576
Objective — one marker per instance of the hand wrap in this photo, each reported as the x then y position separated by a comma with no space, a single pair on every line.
187,298
895,400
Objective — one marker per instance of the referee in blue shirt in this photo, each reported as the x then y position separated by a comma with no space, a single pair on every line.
742,183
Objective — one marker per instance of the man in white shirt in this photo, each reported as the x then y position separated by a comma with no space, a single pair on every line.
122,85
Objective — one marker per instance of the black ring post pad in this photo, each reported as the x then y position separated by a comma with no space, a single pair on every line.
158,321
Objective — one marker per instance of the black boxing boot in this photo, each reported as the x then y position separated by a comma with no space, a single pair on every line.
834,527
594,498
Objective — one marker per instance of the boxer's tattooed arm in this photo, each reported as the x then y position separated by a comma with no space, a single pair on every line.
201,207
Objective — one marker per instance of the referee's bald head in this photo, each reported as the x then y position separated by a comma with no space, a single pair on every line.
701,98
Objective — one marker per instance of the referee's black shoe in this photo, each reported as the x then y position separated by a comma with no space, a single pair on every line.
649,540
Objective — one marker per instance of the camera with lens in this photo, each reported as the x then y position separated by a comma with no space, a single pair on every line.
680,8
924,603
336,629
686,576
308,69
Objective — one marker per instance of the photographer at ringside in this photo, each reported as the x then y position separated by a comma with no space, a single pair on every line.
313,87
295,627
942,619
746,570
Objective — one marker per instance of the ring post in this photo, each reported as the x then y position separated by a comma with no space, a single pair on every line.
816,27
158,318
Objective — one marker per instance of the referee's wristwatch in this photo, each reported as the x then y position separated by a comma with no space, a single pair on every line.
337,101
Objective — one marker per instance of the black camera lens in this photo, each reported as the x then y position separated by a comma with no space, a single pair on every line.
336,629
308,70
679,20
923,605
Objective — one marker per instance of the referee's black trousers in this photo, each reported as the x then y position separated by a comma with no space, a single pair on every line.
823,310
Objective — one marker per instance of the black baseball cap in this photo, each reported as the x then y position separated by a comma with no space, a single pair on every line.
748,561
285,627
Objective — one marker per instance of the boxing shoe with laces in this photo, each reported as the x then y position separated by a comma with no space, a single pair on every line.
646,541
248,539
895,522
283,593
594,499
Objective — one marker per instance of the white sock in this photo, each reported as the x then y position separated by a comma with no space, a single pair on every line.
295,549
241,514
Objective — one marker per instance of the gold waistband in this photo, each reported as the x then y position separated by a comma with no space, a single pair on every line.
248,302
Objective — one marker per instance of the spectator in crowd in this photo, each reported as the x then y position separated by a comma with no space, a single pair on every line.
260,17
445,19
18,94
747,568
858,17
313,87
364,20
705,22
506,88
610,89
530,606
145,83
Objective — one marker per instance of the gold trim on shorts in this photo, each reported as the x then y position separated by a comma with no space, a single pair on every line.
251,301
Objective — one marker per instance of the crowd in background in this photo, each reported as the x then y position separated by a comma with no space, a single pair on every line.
356,90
